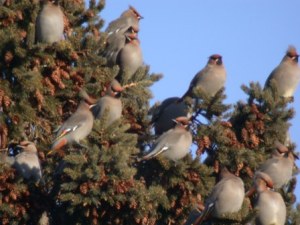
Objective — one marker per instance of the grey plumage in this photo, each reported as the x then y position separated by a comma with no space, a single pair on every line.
173,144
270,205
115,43
166,112
210,79
280,166
109,103
49,23
129,18
130,57
227,196
75,128
286,75
27,162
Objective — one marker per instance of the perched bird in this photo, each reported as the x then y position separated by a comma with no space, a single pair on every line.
210,79
49,23
109,103
286,75
173,144
227,196
26,162
270,205
130,57
166,112
75,128
129,18
115,43
280,166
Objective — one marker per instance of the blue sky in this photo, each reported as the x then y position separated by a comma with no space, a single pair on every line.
178,36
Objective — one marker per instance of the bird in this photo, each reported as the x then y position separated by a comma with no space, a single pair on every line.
49,23
270,205
166,112
173,144
109,103
128,18
77,127
286,75
227,196
280,166
26,161
210,79
130,57
115,42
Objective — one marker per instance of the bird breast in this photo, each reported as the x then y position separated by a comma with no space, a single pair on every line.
229,196
180,147
50,24
271,208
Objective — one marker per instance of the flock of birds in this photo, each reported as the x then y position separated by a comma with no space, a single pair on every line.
170,120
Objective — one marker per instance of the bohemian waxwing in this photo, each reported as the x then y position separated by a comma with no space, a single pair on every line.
270,205
166,112
286,75
109,103
49,23
130,57
26,162
75,128
115,42
173,144
129,18
280,166
210,79
227,196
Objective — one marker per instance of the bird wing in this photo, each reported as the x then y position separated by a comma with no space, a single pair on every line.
160,109
270,163
164,143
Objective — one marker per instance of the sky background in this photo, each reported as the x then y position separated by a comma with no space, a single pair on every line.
178,36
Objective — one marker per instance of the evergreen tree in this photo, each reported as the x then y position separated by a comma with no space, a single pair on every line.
104,183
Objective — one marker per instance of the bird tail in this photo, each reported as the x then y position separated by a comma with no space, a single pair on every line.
56,147
154,154
206,213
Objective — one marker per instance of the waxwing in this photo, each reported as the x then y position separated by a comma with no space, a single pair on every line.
227,196
166,112
130,57
280,166
210,79
109,103
173,144
26,161
269,205
286,75
77,127
128,18
49,23
115,42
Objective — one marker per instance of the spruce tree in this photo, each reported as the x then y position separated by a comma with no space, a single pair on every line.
104,183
